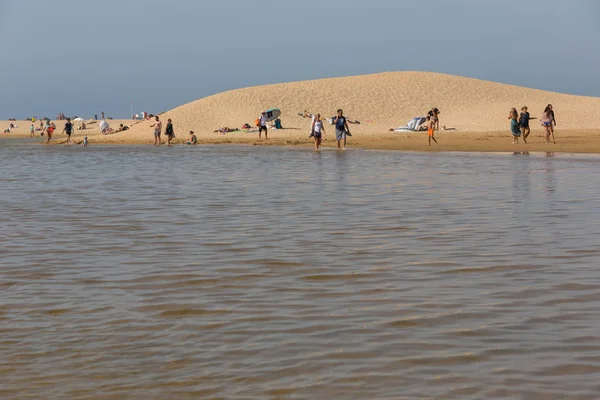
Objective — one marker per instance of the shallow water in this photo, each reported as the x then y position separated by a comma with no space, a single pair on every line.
245,272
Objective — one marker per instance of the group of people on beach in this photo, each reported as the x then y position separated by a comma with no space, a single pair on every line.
317,130
169,131
519,124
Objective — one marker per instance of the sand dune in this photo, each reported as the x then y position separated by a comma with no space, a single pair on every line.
379,101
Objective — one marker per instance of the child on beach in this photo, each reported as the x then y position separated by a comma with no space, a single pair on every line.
49,131
514,125
524,123
193,140
431,129
85,141
31,130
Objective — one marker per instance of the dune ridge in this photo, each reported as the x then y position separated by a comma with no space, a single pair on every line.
380,101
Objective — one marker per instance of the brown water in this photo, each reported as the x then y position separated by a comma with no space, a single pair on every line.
264,273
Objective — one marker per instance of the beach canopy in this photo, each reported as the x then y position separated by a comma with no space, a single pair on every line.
412,125
272,114
79,119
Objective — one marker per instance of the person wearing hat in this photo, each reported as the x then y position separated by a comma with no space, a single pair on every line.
262,125
193,139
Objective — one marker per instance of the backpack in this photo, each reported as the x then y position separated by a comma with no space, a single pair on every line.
257,122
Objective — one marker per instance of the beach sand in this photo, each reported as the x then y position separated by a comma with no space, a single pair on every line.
477,110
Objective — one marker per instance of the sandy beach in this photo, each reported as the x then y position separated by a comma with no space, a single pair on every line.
475,111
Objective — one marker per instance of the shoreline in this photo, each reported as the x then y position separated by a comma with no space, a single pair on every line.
568,141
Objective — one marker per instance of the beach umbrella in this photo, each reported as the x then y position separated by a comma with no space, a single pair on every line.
79,119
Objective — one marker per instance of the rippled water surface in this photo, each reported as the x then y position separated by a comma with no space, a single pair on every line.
271,273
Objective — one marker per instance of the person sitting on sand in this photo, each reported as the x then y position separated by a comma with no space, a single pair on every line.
514,125
82,127
193,140
246,126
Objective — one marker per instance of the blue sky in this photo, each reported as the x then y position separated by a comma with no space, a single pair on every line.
82,57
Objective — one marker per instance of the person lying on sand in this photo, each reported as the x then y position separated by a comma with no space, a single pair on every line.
226,130
122,128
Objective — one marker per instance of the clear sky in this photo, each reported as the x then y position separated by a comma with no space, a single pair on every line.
81,57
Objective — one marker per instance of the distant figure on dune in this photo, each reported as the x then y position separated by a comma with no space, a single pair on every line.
157,125
341,129
548,122
514,125
262,125
102,113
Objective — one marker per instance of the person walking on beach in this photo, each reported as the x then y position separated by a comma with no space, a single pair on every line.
262,125
85,141
157,125
169,132
524,118
31,130
553,125
317,131
102,113
431,129
68,129
514,125
547,121
341,129
49,131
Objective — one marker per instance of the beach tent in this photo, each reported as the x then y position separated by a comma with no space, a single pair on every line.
412,125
